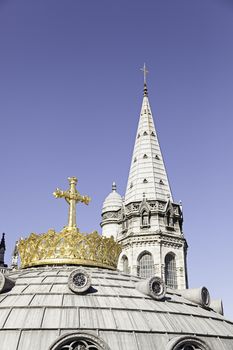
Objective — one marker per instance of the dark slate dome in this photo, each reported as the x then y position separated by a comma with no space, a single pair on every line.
42,312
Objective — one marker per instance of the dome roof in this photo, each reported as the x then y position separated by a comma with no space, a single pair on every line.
113,202
43,312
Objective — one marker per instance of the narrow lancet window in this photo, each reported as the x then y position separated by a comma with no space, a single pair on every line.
125,264
170,271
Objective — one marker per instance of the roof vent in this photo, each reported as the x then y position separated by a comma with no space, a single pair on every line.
161,182
145,181
154,287
6,283
200,296
217,306
152,133
145,156
157,157
145,133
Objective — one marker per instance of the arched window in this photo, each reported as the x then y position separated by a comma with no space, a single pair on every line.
187,343
146,265
79,341
125,264
144,219
170,271
170,219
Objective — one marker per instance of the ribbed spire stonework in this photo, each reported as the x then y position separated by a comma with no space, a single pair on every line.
147,172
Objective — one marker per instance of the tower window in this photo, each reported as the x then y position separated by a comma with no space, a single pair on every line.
170,219
170,271
135,159
152,134
138,136
145,181
125,264
157,157
145,133
145,219
161,182
145,156
131,185
146,265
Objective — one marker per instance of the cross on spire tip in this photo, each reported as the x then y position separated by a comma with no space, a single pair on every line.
145,72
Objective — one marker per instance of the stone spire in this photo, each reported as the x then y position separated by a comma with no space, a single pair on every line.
150,223
2,251
147,172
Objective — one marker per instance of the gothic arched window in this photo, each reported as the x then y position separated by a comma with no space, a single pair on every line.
170,219
144,219
187,343
79,341
145,265
125,264
170,271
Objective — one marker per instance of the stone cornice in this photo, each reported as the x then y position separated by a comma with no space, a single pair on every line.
153,237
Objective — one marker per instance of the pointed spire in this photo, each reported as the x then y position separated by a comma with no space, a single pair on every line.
147,172
114,186
3,243
2,251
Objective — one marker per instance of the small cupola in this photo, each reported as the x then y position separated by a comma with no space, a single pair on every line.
113,202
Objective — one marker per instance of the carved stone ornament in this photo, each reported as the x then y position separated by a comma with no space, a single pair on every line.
79,341
79,281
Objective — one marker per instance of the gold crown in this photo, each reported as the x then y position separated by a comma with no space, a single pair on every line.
69,247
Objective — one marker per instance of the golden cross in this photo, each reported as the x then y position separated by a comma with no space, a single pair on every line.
145,72
72,196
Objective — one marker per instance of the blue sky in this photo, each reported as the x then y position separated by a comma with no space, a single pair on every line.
70,96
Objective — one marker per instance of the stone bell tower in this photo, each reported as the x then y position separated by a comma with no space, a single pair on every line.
149,221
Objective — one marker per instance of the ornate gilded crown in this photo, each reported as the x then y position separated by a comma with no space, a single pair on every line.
69,246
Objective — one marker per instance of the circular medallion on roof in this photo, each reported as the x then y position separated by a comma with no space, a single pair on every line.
154,287
205,295
157,288
79,281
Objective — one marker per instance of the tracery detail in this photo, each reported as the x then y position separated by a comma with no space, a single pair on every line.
79,345
187,343
79,341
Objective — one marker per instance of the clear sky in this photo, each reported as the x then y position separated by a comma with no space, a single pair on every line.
70,97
